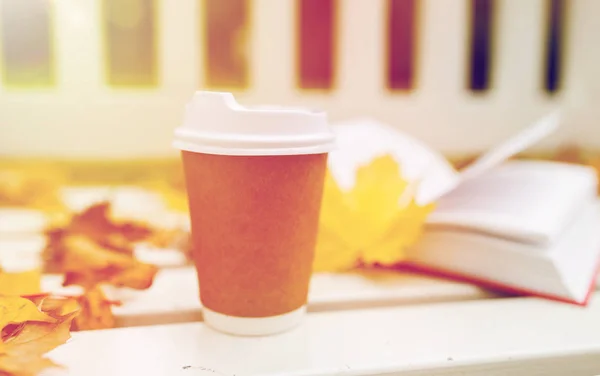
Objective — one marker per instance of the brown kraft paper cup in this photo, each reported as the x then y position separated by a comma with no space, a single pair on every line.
254,228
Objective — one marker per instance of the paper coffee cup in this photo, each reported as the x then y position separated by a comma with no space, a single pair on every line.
254,179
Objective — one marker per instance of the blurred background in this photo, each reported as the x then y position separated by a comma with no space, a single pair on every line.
97,86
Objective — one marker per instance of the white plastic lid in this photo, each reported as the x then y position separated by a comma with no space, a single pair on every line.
215,123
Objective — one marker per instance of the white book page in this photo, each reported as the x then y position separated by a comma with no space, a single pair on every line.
530,201
360,141
431,176
516,144
577,253
564,268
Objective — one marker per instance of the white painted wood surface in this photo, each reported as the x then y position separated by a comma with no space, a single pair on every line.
359,324
173,298
520,336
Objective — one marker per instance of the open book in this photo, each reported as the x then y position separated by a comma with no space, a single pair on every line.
519,226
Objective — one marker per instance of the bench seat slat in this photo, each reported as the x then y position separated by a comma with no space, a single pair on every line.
522,335
174,294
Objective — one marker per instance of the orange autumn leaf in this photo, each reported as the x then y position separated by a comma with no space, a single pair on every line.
88,264
28,333
95,223
93,249
95,312
93,306
55,306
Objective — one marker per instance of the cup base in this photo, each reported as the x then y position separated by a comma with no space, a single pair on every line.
253,326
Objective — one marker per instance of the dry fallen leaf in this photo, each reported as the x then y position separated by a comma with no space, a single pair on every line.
93,306
87,264
55,306
93,249
95,312
96,224
17,310
371,224
28,333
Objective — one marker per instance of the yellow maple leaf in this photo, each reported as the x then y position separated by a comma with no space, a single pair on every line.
28,333
334,250
372,223
17,310
26,282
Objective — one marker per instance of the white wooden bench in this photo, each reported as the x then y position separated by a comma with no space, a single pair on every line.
516,336
174,296
366,323
357,325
